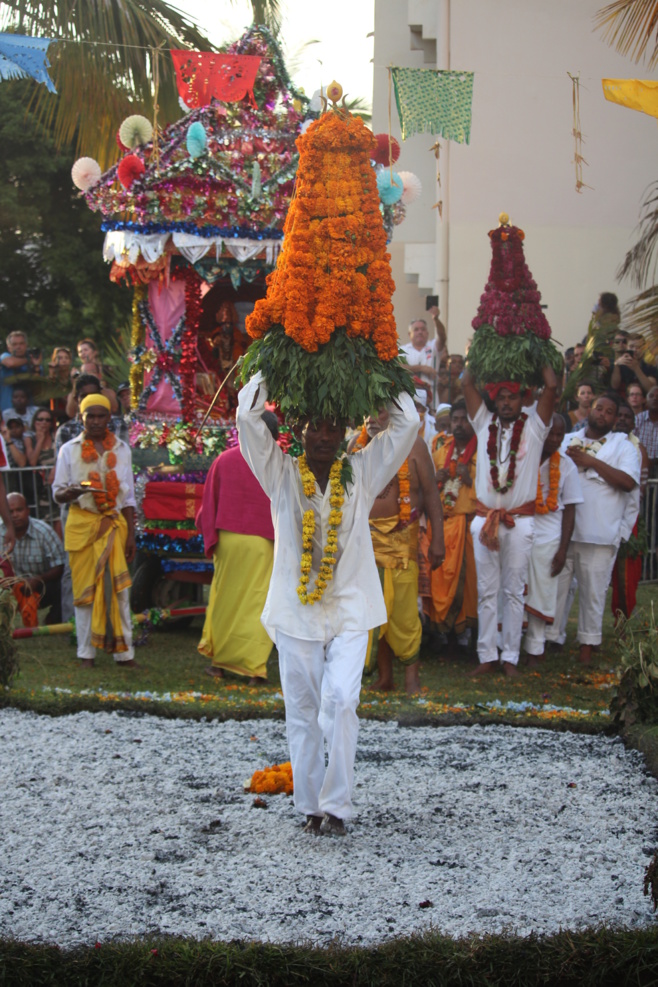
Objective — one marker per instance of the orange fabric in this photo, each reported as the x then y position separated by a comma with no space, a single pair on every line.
450,600
28,605
466,502
495,517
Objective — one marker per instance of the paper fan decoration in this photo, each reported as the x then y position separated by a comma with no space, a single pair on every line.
390,187
135,130
196,139
85,173
122,147
130,168
411,186
382,155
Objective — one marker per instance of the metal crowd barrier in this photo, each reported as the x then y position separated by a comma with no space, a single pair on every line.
650,513
32,482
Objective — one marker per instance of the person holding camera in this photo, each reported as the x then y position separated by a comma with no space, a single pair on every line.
18,359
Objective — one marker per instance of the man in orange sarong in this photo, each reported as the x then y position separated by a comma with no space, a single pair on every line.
450,593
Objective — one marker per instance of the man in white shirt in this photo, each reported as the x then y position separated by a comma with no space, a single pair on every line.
554,520
424,354
93,475
325,593
510,442
609,471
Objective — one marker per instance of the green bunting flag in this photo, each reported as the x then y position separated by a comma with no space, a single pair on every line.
434,101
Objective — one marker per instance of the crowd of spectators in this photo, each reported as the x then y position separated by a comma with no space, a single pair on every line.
607,361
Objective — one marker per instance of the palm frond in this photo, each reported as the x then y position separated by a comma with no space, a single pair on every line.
103,68
639,265
641,315
631,28
269,13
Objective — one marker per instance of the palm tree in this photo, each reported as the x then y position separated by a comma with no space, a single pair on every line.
110,60
631,28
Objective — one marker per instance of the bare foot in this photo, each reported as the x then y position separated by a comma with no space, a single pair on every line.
511,671
256,680
585,655
412,679
87,663
555,646
128,664
535,661
385,686
484,668
217,673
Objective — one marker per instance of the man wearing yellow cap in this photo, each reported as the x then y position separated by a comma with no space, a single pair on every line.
94,476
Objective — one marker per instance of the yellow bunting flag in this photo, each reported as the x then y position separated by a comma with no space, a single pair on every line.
637,94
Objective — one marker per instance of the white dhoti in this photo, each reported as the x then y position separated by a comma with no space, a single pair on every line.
507,568
83,617
541,601
321,685
592,567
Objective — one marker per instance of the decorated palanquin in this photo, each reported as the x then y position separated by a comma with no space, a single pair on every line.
193,218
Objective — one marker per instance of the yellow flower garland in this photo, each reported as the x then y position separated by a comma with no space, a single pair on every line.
336,498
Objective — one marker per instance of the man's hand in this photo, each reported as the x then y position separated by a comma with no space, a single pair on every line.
436,552
442,476
131,547
557,565
464,474
581,459
72,493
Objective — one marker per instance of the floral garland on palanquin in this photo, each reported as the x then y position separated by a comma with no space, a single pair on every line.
550,504
493,452
105,497
336,498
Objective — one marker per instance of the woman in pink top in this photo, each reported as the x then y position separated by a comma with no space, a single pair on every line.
236,525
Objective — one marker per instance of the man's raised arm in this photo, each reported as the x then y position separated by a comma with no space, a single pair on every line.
257,445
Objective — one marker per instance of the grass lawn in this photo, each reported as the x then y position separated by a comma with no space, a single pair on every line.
170,681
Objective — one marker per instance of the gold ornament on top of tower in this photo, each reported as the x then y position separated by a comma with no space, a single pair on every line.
334,92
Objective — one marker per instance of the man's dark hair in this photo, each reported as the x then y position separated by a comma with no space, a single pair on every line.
272,423
623,403
586,382
610,396
85,380
23,389
609,302
459,405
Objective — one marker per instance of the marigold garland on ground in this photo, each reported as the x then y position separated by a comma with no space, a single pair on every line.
274,780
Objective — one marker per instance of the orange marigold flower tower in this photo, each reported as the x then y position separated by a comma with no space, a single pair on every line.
326,339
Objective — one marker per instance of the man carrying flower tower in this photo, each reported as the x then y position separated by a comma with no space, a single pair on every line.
94,476
326,351
511,351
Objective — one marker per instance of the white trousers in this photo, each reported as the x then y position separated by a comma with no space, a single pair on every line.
506,569
558,629
592,567
542,596
83,629
321,685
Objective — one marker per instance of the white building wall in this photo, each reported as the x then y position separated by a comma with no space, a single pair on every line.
520,159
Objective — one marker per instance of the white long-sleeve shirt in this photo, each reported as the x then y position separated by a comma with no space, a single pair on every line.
352,600
607,514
